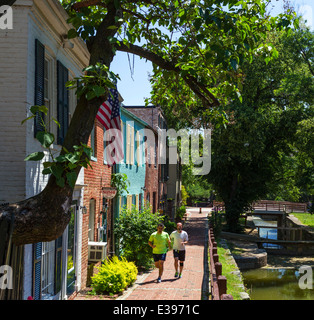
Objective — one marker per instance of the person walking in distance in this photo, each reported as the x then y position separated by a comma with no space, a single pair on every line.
180,239
160,242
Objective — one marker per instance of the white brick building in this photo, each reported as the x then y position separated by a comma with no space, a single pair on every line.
36,49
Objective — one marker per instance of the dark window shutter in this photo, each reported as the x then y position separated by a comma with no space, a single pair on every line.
58,269
39,84
37,258
63,101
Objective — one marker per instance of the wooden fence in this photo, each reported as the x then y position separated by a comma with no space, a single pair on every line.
286,206
270,205
218,281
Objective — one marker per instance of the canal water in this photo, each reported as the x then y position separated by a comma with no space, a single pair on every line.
267,233
273,282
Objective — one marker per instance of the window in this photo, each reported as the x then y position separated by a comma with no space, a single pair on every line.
62,101
123,139
154,201
128,143
47,272
93,143
91,224
129,202
47,92
156,151
39,84
138,149
45,87
132,151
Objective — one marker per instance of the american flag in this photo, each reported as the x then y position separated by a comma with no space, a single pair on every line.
109,116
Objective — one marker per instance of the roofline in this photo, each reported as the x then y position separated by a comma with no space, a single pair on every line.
134,116
140,107
145,124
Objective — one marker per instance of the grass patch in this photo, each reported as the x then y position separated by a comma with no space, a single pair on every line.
230,271
305,218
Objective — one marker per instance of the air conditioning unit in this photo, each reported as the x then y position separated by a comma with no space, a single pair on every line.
96,251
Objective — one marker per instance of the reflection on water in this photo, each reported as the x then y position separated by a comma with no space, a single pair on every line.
267,233
275,284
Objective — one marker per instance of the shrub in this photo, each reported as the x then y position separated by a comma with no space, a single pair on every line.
180,212
114,276
184,195
170,226
133,230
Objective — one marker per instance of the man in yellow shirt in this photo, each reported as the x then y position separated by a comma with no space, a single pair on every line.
159,241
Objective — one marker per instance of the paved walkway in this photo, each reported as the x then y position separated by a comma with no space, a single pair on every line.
194,282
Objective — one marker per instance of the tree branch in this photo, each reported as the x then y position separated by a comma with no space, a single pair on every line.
85,3
199,89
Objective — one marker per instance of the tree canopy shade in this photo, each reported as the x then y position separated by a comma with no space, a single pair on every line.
196,47
261,149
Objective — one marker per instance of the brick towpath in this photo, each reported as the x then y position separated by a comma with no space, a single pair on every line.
195,273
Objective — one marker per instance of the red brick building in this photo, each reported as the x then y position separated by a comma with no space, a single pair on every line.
152,192
98,211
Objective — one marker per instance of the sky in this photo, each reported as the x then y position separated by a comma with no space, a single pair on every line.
134,85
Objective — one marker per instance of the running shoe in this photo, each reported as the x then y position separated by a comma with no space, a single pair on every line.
159,280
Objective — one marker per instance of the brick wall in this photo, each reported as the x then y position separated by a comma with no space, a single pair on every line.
151,179
147,114
94,179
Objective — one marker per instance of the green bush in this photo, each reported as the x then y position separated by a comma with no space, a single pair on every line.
114,276
180,212
184,195
133,230
170,226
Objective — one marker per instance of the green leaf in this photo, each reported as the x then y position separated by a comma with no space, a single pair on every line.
71,178
46,171
197,23
31,117
60,158
35,109
48,164
73,158
60,182
72,166
99,91
72,33
88,151
90,95
56,122
234,64
112,27
35,156
57,171
45,138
